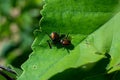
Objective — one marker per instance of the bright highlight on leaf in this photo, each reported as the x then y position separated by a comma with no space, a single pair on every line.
94,28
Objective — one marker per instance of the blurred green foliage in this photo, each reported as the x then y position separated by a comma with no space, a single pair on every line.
18,20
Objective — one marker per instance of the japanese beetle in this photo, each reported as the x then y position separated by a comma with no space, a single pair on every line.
54,37
65,42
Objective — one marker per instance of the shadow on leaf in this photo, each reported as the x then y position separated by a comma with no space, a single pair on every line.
86,72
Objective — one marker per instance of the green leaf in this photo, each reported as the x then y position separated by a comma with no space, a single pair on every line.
83,20
115,45
82,15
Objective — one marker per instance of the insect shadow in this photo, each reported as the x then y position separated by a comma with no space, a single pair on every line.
67,47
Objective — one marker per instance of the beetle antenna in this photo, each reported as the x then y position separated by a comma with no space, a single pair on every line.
67,35
48,35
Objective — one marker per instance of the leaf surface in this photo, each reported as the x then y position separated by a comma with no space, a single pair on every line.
91,32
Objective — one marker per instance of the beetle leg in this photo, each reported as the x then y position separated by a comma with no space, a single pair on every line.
49,44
